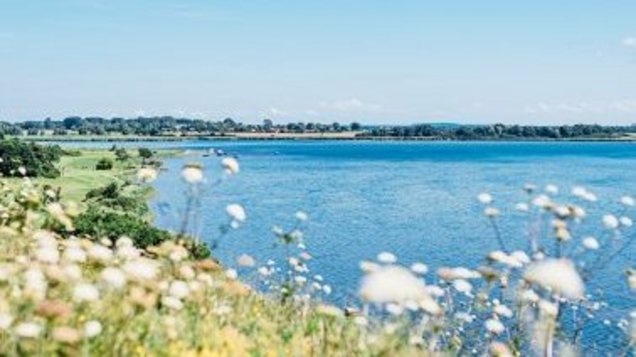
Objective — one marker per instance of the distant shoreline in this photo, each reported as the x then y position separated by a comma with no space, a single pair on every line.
345,136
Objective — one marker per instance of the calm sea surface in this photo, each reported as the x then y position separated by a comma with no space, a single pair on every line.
415,199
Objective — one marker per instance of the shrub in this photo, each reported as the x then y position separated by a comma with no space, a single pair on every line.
111,196
99,223
121,154
145,153
104,164
36,160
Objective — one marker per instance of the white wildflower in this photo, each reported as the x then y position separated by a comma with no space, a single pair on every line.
464,316
172,302
578,212
501,257
548,308
503,310
99,253
124,242
192,173
610,221
264,271
557,275
326,289
394,309
5,321
387,258
485,198
392,284
35,282
231,274
626,221
146,174
520,256
47,255
491,212
301,216
236,212
75,255
627,201
562,211
230,165
552,189
245,261
463,286
28,329
542,201
590,243
222,309
45,239
368,267
85,292
128,252
73,272
457,273
141,269
92,328
419,268
179,289
530,296
494,326
113,277
435,290
360,321
178,253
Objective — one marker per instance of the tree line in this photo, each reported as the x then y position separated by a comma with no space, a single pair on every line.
164,125
170,126
499,131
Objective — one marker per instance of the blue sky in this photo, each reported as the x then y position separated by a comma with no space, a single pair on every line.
540,61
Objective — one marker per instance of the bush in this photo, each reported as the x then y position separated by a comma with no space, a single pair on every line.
121,154
104,164
111,196
37,160
100,223
145,153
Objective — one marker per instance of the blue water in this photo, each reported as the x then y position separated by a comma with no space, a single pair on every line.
415,199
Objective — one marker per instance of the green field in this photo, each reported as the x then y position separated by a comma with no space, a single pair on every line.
78,173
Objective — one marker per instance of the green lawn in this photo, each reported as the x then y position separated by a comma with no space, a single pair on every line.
78,173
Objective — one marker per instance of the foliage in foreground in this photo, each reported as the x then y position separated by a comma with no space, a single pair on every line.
82,296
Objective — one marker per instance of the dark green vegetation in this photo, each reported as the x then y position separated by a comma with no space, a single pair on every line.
117,210
33,160
171,127
104,164
160,126
501,132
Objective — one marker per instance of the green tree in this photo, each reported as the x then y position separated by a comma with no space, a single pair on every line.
104,164
18,158
121,154
145,154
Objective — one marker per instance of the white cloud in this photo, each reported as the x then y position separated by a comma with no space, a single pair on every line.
582,108
272,113
629,41
350,105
